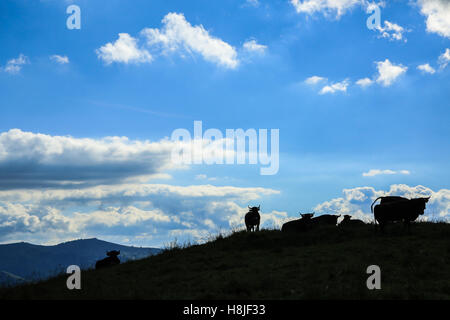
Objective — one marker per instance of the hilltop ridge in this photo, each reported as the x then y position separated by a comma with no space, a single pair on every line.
326,263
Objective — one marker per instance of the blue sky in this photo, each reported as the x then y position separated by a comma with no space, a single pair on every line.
360,112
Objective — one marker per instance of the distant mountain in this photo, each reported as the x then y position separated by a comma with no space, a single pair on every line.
24,261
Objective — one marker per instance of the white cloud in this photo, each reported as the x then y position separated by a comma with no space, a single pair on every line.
437,13
129,210
426,68
31,159
59,59
338,7
178,34
253,46
388,72
365,82
338,86
315,80
392,31
14,66
444,59
124,50
357,201
376,172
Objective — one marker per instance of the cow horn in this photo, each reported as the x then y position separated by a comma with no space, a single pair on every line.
248,207
259,207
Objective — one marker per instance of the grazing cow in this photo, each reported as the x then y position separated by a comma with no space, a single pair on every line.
252,218
325,219
298,225
398,209
348,222
111,260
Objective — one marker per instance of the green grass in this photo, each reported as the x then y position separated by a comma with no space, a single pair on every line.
327,263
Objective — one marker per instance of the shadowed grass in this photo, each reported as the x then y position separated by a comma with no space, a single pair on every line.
326,263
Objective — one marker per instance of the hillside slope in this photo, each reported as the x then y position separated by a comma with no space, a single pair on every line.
34,262
327,263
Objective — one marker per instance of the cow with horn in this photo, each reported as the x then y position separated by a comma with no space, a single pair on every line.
394,208
252,218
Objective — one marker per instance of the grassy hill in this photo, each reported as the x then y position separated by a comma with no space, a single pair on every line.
327,263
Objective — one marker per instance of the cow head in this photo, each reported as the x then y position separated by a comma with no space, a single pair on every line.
113,253
307,216
254,209
347,217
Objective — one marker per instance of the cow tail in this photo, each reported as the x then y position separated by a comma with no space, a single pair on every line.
371,209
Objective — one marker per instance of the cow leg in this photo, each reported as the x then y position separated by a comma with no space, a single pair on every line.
407,225
257,227
382,225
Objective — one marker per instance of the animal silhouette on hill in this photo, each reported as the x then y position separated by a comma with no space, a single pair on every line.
349,222
393,208
325,219
252,218
298,225
111,260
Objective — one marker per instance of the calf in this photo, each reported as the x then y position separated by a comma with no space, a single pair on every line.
348,222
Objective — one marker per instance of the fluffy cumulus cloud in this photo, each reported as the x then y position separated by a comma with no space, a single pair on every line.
177,34
254,47
335,87
57,188
392,31
389,72
314,80
124,50
357,201
377,172
13,66
364,82
426,68
59,59
133,211
337,7
437,13
38,160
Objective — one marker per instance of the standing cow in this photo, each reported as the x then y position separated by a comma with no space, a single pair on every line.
298,225
252,218
393,209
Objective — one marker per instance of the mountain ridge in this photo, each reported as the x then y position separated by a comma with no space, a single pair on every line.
37,262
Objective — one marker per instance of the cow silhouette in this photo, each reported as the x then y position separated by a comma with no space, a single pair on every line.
111,260
298,225
393,209
325,220
349,222
252,219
